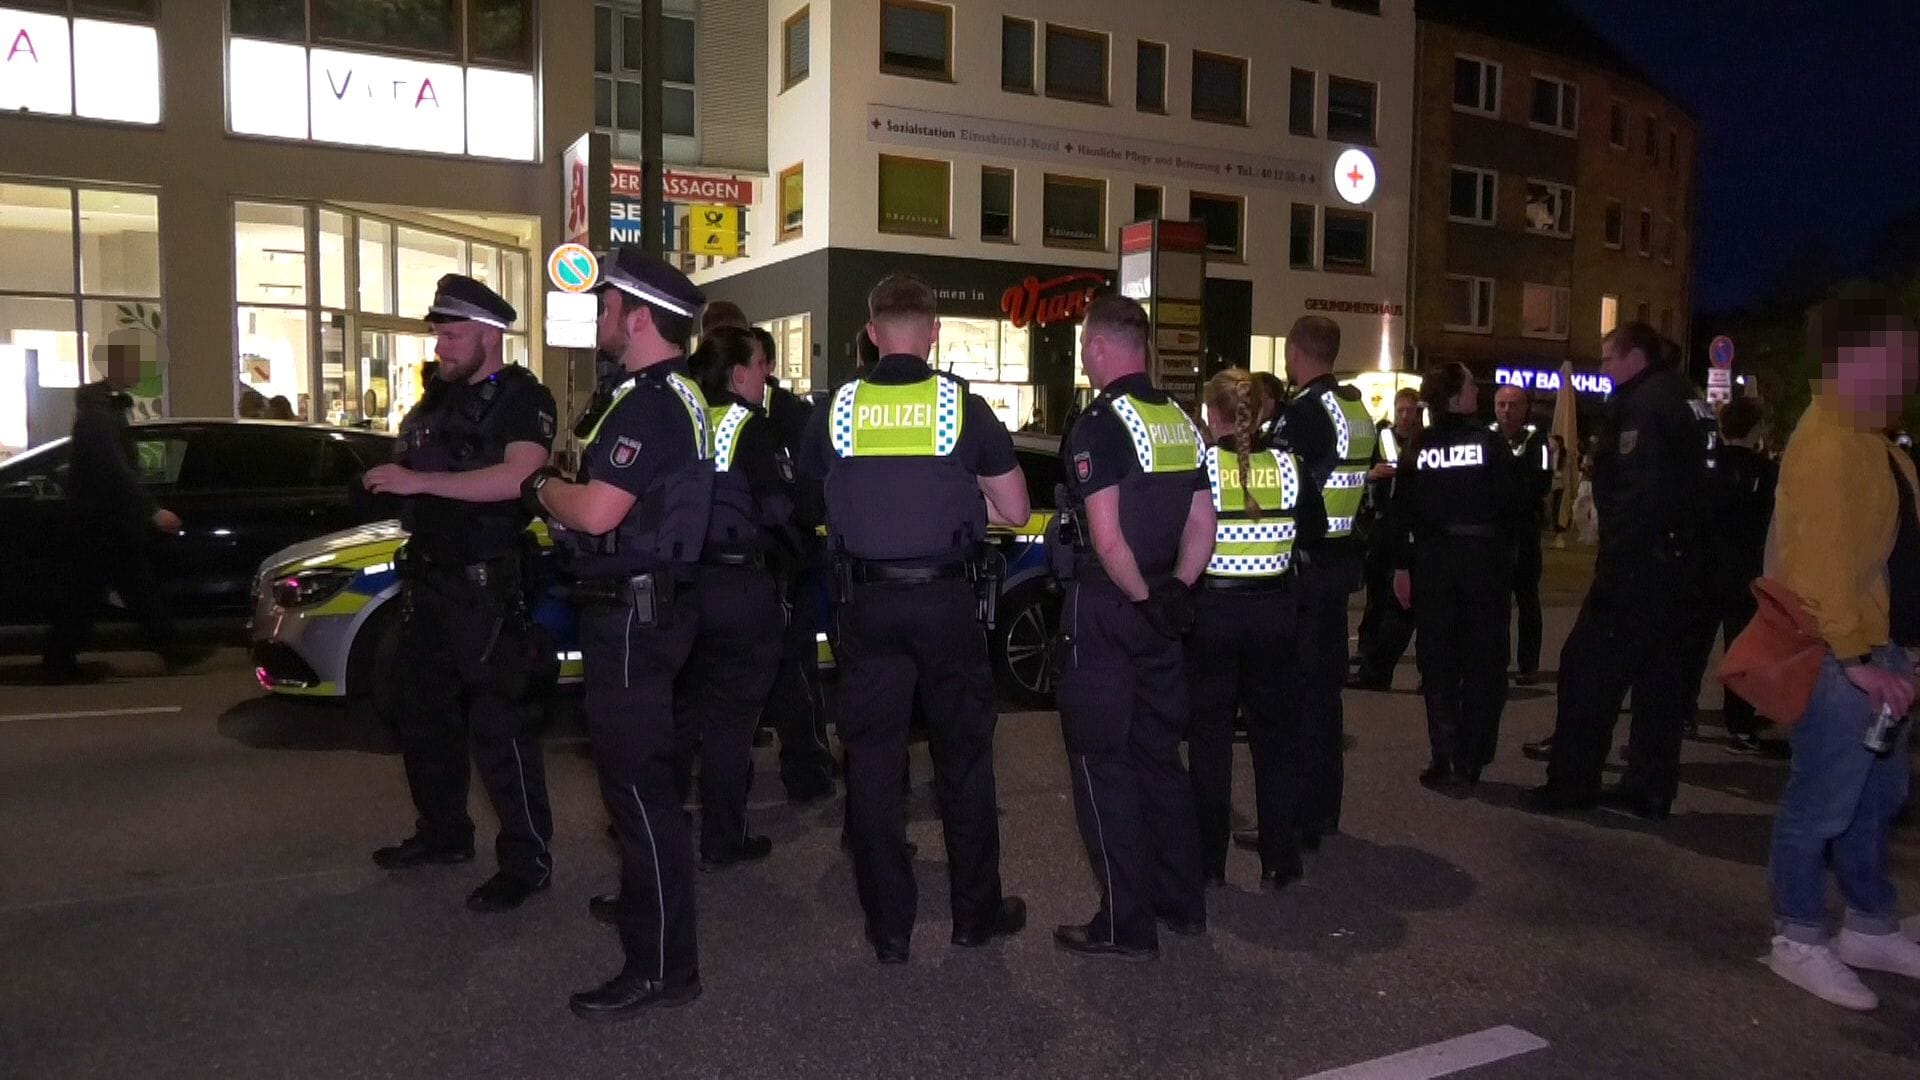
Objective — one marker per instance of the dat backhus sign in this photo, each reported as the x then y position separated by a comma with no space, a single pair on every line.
1548,381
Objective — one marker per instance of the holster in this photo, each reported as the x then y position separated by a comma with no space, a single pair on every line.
989,570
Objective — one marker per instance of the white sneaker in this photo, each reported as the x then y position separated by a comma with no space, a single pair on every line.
1816,970
1878,952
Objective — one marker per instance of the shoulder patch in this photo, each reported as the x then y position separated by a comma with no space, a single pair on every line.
626,450
546,424
1083,466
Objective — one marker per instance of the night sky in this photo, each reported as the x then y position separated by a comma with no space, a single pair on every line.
1810,114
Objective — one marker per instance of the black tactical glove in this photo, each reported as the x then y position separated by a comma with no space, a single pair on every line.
1168,608
530,490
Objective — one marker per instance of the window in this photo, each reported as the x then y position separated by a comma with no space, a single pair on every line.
1544,311
1016,55
618,47
102,70
1667,231
1673,151
1076,64
1346,241
793,346
1073,212
793,201
1219,88
1652,139
1300,107
1646,232
996,203
1469,304
1221,214
1300,237
1476,85
1150,77
498,32
1549,208
1617,125
915,196
1146,201
1556,105
251,459
1609,314
796,36
1350,109
422,26
1473,195
1616,225
916,39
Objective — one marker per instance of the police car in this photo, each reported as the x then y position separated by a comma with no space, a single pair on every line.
326,612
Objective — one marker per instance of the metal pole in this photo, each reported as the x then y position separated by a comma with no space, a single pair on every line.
652,101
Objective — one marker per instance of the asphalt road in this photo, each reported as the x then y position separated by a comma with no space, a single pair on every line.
187,893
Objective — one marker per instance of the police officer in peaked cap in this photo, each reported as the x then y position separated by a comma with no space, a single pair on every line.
469,664
635,522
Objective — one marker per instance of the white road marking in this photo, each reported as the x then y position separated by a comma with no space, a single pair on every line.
1443,1058
91,714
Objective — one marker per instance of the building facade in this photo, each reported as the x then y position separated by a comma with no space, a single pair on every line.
996,148
1554,195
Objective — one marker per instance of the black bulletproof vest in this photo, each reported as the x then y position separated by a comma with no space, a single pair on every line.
456,428
915,509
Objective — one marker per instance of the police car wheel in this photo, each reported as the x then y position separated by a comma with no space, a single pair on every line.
1027,622
371,674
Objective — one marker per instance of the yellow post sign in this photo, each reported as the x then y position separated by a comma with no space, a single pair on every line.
713,230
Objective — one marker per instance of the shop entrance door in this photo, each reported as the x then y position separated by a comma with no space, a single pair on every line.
388,372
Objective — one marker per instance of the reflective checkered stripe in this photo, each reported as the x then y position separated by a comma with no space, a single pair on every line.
1164,438
726,424
625,389
1243,547
918,419
695,402
1354,439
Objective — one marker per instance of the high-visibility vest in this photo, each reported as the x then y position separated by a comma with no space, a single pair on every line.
1354,439
916,419
1164,438
1242,546
725,422
691,399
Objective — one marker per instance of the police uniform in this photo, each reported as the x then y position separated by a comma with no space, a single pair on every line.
1241,651
467,658
1533,472
1651,462
1122,688
740,623
795,708
1328,427
638,621
1454,513
900,451
1386,628
1742,493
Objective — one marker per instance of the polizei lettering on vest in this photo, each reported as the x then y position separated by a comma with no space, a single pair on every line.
1169,434
1451,457
893,416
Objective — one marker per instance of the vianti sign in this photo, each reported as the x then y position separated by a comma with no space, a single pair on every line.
86,67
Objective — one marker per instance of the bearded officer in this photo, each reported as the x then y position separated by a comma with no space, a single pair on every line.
906,455
1143,511
467,660
635,522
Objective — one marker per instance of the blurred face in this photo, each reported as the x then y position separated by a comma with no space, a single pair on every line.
1293,366
1406,414
749,380
123,367
463,348
904,335
1618,365
1875,377
1510,408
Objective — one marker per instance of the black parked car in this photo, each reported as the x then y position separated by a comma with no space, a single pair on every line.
244,489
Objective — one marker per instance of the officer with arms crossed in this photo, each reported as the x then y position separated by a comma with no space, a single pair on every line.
467,660
1454,509
1533,470
906,454
635,522
1138,496
1328,426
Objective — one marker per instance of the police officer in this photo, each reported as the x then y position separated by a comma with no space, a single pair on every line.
1328,426
1742,490
1651,460
1241,653
1454,510
906,454
467,658
736,602
1139,501
635,522
1386,628
1533,461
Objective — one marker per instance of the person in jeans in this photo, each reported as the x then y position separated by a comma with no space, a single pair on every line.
1844,539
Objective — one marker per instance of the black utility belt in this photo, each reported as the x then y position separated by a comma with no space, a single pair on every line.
864,572
740,559
501,570
649,595
1267,583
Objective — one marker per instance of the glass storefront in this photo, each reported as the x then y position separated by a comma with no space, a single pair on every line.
996,360
295,268
80,275
793,339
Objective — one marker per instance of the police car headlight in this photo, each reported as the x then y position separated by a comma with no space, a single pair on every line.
308,587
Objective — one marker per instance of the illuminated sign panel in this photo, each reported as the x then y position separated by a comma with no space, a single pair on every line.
79,67
1548,381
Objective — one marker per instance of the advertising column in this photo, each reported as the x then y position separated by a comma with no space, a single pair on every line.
1163,264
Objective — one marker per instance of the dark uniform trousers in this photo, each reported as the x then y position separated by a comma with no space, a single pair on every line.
453,633
796,709
894,638
1241,653
1325,584
630,673
1734,607
1526,599
1635,631
720,692
1460,601
1123,709
102,555
1386,628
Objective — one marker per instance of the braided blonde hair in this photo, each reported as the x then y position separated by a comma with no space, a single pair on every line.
1236,393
